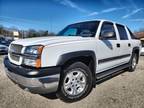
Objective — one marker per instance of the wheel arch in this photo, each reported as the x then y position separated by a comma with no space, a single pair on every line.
87,57
137,51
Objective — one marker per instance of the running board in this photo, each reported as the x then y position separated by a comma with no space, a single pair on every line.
100,77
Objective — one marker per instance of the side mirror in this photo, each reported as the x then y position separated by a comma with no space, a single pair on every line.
107,34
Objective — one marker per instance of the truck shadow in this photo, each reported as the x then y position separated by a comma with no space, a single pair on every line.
51,96
111,76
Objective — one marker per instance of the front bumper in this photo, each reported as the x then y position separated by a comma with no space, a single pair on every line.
43,83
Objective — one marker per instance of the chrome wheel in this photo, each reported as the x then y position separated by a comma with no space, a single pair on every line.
134,62
74,82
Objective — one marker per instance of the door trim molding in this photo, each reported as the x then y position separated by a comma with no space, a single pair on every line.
112,58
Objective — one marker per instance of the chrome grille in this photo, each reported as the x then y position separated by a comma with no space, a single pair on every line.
16,48
14,51
14,57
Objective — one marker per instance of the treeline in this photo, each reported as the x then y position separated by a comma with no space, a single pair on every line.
24,33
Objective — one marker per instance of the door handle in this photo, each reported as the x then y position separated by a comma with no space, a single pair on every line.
129,45
118,45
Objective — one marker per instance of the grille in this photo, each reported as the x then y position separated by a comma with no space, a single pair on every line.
14,57
14,51
16,48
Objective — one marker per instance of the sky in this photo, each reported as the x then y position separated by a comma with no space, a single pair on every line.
54,15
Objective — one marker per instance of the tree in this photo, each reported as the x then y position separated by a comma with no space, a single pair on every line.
32,33
45,33
1,29
25,33
51,34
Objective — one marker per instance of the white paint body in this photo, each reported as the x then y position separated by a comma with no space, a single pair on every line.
59,45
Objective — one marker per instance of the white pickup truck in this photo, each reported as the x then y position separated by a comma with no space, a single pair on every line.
74,61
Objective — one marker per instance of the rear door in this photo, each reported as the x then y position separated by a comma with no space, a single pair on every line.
125,44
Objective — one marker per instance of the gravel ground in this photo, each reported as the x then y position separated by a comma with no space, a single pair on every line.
123,91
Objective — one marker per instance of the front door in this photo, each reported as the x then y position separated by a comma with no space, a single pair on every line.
107,48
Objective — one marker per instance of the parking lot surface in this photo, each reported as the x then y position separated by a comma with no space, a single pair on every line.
123,91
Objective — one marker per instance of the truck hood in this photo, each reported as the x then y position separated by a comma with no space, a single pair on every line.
48,40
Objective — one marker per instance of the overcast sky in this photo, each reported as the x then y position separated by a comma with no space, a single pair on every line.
53,15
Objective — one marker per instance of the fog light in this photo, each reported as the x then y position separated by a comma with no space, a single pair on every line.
33,73
30,62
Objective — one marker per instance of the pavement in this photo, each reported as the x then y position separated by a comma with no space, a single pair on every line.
123,91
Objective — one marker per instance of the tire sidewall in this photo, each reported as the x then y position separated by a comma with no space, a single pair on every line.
131,68
86,71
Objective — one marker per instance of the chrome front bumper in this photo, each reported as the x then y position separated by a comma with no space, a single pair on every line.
38,85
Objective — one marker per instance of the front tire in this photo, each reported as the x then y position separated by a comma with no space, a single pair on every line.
76,82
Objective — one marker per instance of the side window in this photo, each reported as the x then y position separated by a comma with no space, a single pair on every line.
122,32
107,31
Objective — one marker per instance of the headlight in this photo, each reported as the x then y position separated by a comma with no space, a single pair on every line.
32,56
35,50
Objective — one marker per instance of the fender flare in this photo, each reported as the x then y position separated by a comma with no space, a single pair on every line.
136,48
88,53
67,56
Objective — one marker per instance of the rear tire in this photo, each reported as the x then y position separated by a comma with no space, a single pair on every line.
76,82
133,62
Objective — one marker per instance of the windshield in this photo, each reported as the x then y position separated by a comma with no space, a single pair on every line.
84,29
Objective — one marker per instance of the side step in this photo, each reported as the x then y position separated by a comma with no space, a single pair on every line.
100,77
